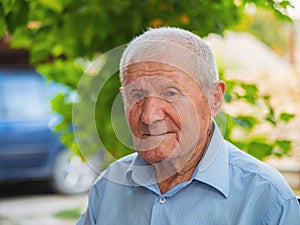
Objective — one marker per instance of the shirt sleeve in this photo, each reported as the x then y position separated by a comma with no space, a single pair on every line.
88,217
286,213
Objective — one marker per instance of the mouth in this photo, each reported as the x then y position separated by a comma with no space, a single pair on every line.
157,134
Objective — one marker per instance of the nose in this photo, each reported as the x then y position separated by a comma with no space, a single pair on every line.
152,110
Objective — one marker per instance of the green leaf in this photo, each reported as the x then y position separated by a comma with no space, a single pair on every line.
7,5
66,72
39,54
270,117
68,139
230,84
285,145
61,127
60,104
18,15
21,38
250,92
55,5
2,27
227,98
247,122
286,117
260,149
284,4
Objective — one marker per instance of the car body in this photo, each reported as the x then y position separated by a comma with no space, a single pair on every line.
29,149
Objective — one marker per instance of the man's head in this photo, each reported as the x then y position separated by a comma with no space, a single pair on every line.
176,47
171,91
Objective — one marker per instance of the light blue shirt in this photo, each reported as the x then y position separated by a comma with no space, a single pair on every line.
228,187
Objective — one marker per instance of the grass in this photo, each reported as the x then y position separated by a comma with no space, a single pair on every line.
2,218
70,214
6,221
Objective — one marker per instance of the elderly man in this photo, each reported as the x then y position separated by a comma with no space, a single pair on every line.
184,172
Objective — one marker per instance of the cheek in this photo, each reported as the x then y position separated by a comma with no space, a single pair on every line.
204,112
204,119
189,128
132,116
194,118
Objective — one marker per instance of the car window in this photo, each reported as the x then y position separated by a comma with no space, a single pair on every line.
23,97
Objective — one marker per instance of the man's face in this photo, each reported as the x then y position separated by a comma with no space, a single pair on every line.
167,112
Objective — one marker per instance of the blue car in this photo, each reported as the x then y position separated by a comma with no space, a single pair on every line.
29,149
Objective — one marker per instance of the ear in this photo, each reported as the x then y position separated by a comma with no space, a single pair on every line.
217,97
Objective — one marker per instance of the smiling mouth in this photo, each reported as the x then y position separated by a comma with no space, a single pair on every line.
157,135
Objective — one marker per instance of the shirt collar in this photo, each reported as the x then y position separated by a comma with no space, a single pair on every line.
141,172
213,168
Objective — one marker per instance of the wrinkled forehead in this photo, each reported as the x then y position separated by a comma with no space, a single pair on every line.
158,75
165,53
152,68
154,82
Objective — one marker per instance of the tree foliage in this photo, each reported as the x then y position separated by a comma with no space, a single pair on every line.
259,22
245,124
63,36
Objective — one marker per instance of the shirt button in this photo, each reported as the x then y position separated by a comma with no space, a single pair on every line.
162,200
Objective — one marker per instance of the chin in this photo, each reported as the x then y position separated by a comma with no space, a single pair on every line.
153,156
158,155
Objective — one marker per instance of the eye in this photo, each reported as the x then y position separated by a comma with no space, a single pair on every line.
135,96
171,94
138,96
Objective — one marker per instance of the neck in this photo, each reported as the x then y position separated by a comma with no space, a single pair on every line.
169,174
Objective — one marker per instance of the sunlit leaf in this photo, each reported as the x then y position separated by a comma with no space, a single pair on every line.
285,145
21,38
271,117
250,92
260,149
284,4
55,5
247,122
286,117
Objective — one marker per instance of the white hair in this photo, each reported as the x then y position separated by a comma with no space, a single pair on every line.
158,44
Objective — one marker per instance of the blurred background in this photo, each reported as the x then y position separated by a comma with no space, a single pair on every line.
48,160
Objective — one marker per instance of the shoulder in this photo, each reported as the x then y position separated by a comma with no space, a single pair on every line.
116,171
257,173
